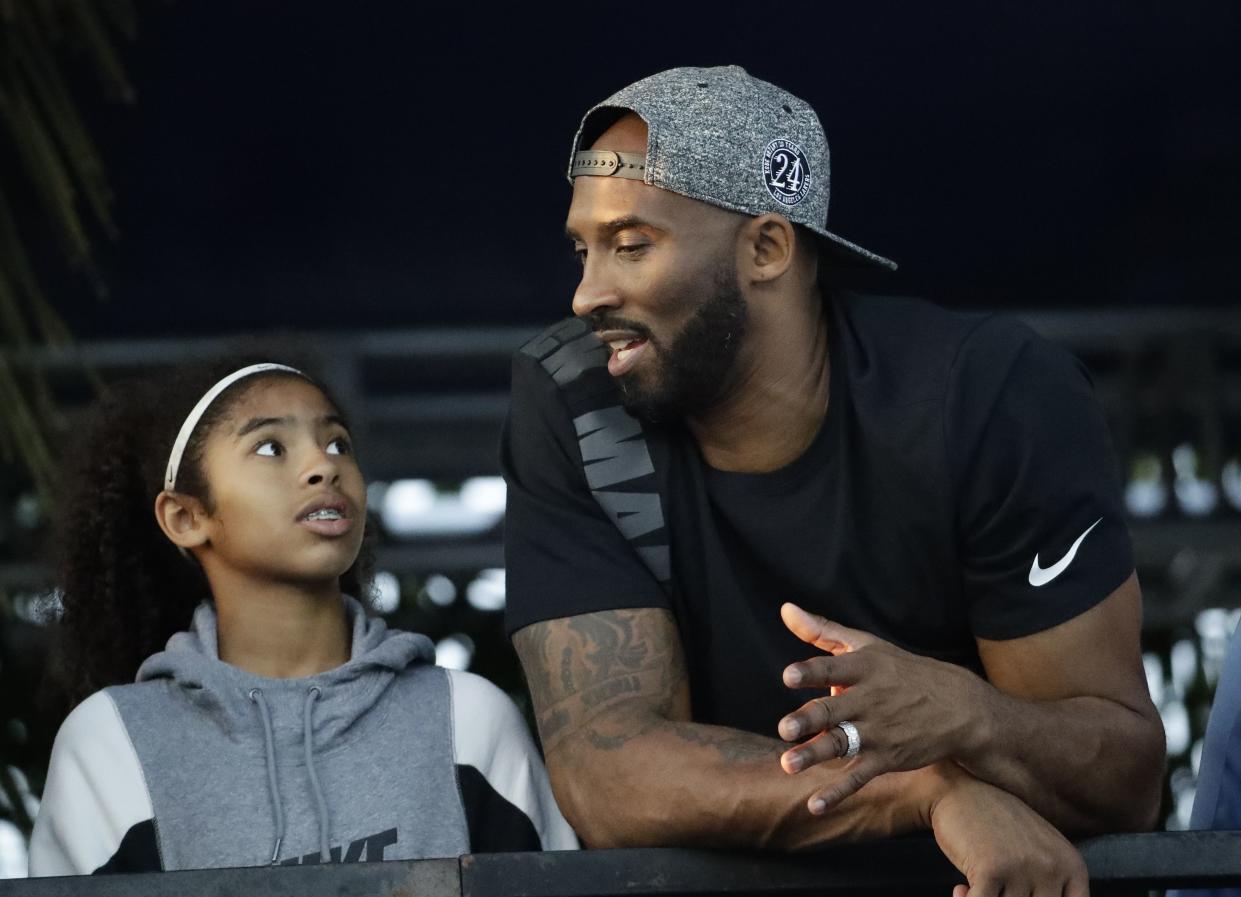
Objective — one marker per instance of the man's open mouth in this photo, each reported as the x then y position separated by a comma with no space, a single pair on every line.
627,347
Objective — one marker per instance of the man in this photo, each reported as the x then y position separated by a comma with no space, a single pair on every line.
719,459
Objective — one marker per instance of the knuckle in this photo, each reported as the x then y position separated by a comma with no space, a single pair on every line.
987,873
1045,868
839,740
900,756
825,749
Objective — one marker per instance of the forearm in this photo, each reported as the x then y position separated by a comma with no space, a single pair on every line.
629,768
630,783
1086,764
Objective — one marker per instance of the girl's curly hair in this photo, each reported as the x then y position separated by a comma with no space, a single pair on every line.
124,588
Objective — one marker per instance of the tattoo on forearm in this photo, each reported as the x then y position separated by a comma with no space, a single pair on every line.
566,672
553,723
581,667
611,689
602,742
615,676
733,746
610,642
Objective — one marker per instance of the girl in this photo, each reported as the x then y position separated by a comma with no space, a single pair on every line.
285,726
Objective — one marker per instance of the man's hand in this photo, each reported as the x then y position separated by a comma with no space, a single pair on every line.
1063,720
910,711
630,768
1002,846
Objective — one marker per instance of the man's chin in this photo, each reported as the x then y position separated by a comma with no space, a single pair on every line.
642,401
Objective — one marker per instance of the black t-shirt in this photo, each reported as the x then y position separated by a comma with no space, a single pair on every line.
955,449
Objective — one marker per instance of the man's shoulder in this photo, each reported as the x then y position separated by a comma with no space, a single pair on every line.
563,351
562,374
906,349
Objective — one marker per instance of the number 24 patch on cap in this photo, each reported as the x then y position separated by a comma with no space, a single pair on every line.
786,173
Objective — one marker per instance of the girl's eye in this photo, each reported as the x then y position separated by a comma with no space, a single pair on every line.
269,447
339,446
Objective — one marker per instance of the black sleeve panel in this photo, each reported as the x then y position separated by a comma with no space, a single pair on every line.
1040,516
496,826
563,555
138,852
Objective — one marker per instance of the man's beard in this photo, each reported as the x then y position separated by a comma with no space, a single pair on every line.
694,373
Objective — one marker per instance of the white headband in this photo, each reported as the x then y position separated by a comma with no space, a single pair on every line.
187,428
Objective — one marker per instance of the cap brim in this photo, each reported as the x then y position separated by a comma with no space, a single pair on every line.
851,253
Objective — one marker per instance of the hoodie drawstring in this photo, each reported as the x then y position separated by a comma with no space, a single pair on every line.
256,696
325,854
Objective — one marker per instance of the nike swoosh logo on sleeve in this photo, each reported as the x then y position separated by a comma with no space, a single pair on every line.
1040,577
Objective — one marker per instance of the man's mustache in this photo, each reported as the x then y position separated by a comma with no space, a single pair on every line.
601,321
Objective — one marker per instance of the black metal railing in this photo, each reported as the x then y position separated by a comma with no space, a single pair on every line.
1118,864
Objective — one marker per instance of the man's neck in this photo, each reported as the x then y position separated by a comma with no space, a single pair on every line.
279,630
779,399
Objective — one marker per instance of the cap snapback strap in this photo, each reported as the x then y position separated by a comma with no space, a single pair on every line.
605,163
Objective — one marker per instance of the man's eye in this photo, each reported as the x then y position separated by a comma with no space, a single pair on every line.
339,446
269,447
580,254
632,249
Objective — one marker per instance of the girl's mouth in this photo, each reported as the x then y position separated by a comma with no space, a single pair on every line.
327,519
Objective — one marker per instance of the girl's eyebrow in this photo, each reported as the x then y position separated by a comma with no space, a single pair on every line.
256,422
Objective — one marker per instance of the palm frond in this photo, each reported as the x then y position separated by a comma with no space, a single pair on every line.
60,176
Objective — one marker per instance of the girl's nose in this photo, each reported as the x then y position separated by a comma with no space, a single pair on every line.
324,470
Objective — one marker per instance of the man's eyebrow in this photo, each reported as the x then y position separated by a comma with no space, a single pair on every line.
338,419
625,222
256,423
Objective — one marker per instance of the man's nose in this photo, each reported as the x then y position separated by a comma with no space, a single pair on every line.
594,291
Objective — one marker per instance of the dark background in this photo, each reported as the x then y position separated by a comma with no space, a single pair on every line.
368,165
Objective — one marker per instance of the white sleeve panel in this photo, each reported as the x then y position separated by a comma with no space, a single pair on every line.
490,735
95,792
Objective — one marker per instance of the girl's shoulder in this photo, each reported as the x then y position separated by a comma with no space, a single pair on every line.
481,718
95,736
93,717
96,795
467,694
485,720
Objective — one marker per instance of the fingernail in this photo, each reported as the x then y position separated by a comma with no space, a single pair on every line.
817,806
791,728
794,762
793,676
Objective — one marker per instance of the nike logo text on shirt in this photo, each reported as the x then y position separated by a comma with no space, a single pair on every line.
1040,577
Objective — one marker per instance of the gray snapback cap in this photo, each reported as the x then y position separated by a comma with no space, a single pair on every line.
724,137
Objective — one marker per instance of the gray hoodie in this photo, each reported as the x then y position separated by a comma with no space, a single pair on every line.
201,764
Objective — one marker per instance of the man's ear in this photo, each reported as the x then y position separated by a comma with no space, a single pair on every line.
768,247
182,518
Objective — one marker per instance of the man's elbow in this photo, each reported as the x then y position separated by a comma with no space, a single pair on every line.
1139,785
603,807
1154,754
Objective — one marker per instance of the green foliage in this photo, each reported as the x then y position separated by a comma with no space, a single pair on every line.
52,167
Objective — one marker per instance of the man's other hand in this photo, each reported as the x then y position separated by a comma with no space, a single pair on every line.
1001,846
909,711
